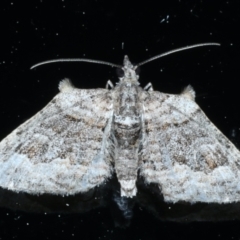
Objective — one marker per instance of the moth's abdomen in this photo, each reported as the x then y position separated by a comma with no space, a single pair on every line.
126,130
126,134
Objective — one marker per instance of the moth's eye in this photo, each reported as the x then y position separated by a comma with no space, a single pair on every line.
120,72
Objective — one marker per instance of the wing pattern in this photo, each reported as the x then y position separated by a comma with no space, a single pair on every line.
185,153
62,149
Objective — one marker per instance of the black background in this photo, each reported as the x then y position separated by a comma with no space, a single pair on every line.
38,30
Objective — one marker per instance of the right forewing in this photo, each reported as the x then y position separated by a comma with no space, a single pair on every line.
185,154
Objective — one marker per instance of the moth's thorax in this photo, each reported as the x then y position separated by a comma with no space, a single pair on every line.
127,108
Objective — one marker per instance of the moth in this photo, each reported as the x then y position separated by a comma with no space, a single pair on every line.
82,136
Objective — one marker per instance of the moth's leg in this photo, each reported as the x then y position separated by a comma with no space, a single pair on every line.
109,85
148,87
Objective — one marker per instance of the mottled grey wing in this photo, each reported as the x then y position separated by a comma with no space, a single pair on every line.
60,150
185,153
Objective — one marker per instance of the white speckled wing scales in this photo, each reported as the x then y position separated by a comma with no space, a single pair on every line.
185,153
62,149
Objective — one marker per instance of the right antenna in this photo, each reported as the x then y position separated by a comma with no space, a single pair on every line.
176,50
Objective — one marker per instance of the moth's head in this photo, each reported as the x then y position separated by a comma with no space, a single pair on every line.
129,70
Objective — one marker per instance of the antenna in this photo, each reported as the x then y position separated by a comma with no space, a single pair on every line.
177,50
120,66
76,60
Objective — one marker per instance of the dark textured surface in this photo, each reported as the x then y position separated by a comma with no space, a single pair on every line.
35,31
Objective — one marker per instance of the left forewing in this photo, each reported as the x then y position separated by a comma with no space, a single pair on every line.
62,149
185,153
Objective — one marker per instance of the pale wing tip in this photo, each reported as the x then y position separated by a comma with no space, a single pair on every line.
65,85
189,92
